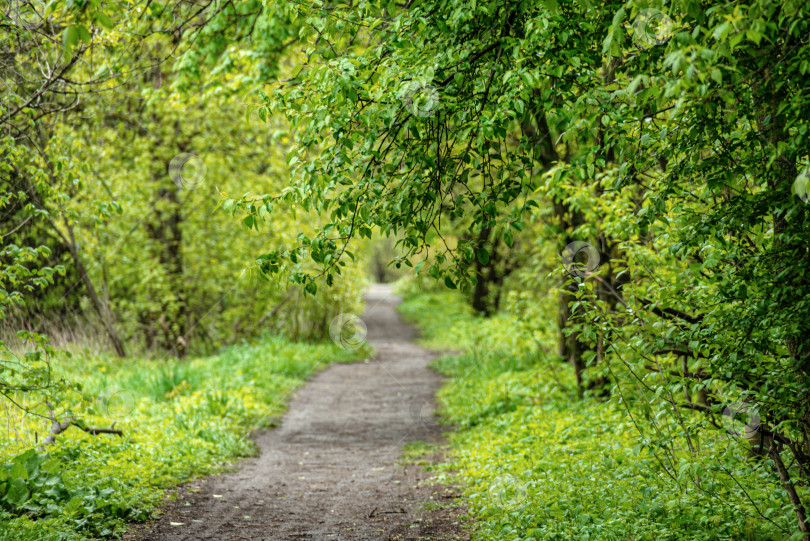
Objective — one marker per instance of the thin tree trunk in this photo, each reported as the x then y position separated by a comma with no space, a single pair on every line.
101,308
793,496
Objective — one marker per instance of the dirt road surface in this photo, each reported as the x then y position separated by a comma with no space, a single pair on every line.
330,471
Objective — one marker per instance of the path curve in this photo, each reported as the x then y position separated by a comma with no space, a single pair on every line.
329,471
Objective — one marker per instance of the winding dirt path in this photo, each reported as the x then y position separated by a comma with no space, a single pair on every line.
330,471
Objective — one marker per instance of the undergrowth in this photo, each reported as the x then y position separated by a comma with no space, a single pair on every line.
537,462
179,420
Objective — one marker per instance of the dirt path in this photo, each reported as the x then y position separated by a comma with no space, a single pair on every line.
330,470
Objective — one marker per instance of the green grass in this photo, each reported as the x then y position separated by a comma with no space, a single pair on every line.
418,452
180,420
539,463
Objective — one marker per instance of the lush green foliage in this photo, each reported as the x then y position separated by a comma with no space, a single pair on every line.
539,464
179,420
666,141
122,194
124,128
498,142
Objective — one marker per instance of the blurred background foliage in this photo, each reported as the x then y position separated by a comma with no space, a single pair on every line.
129,296
143,260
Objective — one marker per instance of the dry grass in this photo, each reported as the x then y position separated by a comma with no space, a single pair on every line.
75,333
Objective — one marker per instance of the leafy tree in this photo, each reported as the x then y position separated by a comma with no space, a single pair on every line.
670,138
113,152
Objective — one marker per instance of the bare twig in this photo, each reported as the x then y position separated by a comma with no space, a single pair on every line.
59,427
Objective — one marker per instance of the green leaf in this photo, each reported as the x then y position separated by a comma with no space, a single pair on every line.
84,34
70,37
18,469
552,5
103,19
508,238
17,493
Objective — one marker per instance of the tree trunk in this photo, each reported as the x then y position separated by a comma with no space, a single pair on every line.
167,233
788,485
101,308
571,348
480,299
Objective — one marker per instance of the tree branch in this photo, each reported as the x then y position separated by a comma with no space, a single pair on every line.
57,428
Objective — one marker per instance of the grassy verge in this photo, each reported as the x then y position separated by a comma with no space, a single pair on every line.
180,420
538,463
